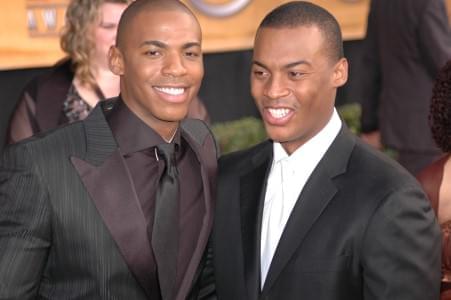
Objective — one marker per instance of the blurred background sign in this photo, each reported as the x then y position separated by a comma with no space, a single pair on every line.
29,32
230,25
44,17
29,29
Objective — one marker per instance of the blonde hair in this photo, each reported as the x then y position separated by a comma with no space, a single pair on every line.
77,40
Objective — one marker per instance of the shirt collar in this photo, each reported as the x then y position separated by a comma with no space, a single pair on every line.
131,133
313,150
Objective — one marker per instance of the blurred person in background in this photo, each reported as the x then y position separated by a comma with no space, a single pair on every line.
78,82
436,178
406,44
75,84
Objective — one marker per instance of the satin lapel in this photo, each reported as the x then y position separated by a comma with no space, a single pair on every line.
252,197
314,198
108,182
208,166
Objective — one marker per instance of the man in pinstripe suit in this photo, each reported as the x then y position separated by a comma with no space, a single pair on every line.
77,204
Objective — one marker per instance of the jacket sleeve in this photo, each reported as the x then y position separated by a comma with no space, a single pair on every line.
435,36
401,249
24,225
371,78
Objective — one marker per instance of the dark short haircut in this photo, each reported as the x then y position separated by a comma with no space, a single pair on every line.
146,5
440,109
301,13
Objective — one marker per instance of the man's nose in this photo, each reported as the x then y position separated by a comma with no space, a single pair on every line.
174,65
275,88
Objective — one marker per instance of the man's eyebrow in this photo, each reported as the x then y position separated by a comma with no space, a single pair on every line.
154,43
287,66
297,63
256,62
191,44
164,46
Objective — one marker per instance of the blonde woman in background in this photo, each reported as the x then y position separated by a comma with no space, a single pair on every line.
75,84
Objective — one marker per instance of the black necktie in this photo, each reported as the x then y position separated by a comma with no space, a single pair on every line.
166,223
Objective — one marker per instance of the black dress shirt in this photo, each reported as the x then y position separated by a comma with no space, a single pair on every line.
137,142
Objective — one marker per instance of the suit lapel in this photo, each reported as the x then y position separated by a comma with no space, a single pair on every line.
108,182
197,140
314,198
252,196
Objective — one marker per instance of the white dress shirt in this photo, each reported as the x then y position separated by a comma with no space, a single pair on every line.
286,179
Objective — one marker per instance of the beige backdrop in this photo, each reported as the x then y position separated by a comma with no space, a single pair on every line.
29,28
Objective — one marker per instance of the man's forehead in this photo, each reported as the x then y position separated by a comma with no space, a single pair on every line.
301,38
150,7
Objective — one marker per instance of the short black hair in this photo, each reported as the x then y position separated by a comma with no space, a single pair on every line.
302,13
440,109
138,6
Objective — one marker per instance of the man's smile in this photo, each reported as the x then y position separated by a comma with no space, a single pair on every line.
173,91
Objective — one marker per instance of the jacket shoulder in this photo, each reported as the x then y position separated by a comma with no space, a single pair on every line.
371,168
62,141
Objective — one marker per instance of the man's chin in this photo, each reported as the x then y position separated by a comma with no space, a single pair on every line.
275,133
174,115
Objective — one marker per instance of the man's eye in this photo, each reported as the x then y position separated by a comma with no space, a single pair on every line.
192,54
295,74
259,74
152,53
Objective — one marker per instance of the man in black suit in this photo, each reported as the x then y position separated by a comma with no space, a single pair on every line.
314,213
406,44
79,207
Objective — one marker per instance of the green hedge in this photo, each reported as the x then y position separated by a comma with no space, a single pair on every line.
240,134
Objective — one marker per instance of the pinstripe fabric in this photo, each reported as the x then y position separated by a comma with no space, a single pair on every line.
53,242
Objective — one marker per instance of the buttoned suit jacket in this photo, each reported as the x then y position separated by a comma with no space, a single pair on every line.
406,44
71,226
360,229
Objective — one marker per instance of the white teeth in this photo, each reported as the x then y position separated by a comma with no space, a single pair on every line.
171,90
278,112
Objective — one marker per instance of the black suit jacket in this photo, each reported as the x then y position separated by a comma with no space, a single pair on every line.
71,226
361,229
407,43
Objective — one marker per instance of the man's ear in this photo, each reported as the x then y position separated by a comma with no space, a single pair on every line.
340,76
116,61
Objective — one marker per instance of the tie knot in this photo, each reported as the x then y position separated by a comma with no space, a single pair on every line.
167,151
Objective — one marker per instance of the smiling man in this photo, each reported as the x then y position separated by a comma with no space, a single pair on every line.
313,213
96,210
